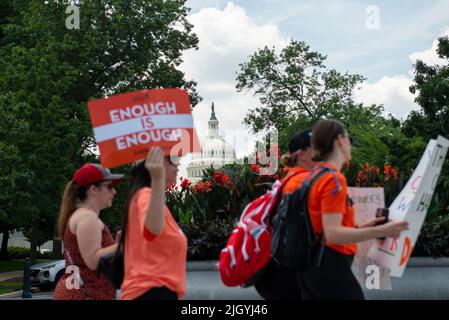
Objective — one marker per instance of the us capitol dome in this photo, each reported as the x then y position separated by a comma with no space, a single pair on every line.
215,151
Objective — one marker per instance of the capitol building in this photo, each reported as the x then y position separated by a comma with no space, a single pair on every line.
215,151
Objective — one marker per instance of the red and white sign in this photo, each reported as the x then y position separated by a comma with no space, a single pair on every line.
127,125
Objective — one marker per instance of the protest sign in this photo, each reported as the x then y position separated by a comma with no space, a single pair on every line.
411,205
366,270
127,125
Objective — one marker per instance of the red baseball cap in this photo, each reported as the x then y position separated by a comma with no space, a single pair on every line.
93,172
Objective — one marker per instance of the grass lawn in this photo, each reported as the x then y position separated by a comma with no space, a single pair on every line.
15,264
10,286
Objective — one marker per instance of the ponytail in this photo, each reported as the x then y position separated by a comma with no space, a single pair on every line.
70,198
321,155
68,205
288,161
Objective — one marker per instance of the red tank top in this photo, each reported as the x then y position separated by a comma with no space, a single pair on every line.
96,287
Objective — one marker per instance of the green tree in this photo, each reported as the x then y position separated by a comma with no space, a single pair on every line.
295,90
431,84
49,72
291,85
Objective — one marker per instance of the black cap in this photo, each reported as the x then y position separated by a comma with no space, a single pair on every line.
301,140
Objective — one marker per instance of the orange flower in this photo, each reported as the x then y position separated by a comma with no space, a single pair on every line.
387,169
225,179
254,167
185,184
374,169
221,178
394,172
203,186
365,167
361,178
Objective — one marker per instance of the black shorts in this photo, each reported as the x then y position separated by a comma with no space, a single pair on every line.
331,280
278,283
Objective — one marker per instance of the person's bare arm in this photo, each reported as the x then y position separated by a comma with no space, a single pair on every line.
337,234
154,219
88,234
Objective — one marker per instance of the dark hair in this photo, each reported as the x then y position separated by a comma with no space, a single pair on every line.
139,178
324,133
301,140
71,195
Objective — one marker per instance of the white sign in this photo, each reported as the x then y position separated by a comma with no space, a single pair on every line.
368,272
411,205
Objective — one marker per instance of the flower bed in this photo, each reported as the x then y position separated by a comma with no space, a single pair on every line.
209,210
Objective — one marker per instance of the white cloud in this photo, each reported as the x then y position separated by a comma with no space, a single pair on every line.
226,38
392,92
430,56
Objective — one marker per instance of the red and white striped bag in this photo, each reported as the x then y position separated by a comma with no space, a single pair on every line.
248,248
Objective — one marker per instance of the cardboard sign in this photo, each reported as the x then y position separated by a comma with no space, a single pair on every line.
368,272
366,201
411,205
127,125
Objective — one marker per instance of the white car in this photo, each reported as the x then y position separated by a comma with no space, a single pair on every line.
46,275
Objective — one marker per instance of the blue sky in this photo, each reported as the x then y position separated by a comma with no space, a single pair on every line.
337,28
377,39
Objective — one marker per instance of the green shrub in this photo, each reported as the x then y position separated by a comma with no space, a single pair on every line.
22,253
206,238
433,240
18,253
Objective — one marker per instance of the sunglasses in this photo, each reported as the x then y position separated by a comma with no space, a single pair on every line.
110,186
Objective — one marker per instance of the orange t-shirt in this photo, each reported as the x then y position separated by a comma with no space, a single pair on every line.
329,194
152,261
296,181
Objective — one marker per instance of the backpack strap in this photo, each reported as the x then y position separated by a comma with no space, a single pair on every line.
302,193
318,237
281,187
327,169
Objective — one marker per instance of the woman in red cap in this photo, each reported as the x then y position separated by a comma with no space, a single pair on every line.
86,238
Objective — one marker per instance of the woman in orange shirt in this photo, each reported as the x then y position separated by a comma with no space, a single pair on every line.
155,248
278,282
329,275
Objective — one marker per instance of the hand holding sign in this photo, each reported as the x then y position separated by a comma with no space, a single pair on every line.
154,163
393,229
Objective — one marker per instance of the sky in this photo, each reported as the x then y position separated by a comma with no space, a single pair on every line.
380,40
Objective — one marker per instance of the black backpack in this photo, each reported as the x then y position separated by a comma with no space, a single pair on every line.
293,239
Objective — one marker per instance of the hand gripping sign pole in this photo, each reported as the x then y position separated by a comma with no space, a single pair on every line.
127,125
411,205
